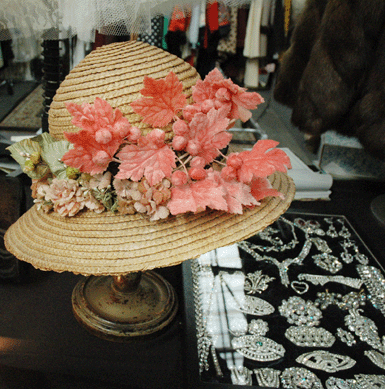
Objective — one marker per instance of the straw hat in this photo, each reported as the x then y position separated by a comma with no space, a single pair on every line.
114,244
115,73
106,243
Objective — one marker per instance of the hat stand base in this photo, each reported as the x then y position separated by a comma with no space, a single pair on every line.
124,308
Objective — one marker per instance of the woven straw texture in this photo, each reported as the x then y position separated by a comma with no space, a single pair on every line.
115,73
102,244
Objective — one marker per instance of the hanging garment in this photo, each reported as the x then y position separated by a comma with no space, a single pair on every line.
208,52
193,31
176,35
252,49
267,6
332,75
228,44
256,40
223,19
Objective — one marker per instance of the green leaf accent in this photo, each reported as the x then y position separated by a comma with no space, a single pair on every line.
105,196
52,154
21,151
44,138
50,149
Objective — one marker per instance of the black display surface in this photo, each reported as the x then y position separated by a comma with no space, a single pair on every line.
300,259
288,254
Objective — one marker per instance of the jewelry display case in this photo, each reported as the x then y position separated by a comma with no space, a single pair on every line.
301,304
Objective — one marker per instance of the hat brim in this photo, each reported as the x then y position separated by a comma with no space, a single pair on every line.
112,244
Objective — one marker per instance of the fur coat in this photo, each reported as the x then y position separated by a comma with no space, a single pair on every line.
333,74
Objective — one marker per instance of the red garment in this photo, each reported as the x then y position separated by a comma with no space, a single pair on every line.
179,21
212,21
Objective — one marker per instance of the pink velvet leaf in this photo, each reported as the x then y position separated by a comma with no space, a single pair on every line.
196,197
103,131
264,159
225,93
162,99
261,188
151,158
208,134
238,195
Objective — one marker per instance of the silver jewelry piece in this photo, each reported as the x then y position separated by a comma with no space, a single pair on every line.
369,381
309,226
305,336
316,279
375,283
267,377
364,328
300,312
327,262
217,366
361,258
283,266
299,287
360,381
339,383
256,346
257,282
344,232
300,378
352,300
326,361
258,327
277,244
346,256
346,337
332,232
241,376
204,338
321,245
253,305
324,299
377,358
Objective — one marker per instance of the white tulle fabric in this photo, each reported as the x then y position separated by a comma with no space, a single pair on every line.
56,19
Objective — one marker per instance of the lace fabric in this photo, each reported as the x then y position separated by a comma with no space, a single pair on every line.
57,19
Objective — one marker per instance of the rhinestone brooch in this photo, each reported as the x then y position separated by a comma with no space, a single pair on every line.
267,377
377,358
300,312
360,381
241,376
326,361
346,337
316,279
375,283
299,377
256,346
304,336
257,282
253,305
339,383
364,328
369,381
327,262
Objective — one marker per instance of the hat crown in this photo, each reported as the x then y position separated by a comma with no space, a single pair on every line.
115,73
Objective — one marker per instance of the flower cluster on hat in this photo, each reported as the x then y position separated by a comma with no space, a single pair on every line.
110,165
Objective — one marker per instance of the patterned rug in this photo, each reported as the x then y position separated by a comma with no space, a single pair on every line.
28,113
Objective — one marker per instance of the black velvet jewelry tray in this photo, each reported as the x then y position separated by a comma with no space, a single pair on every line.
280,243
